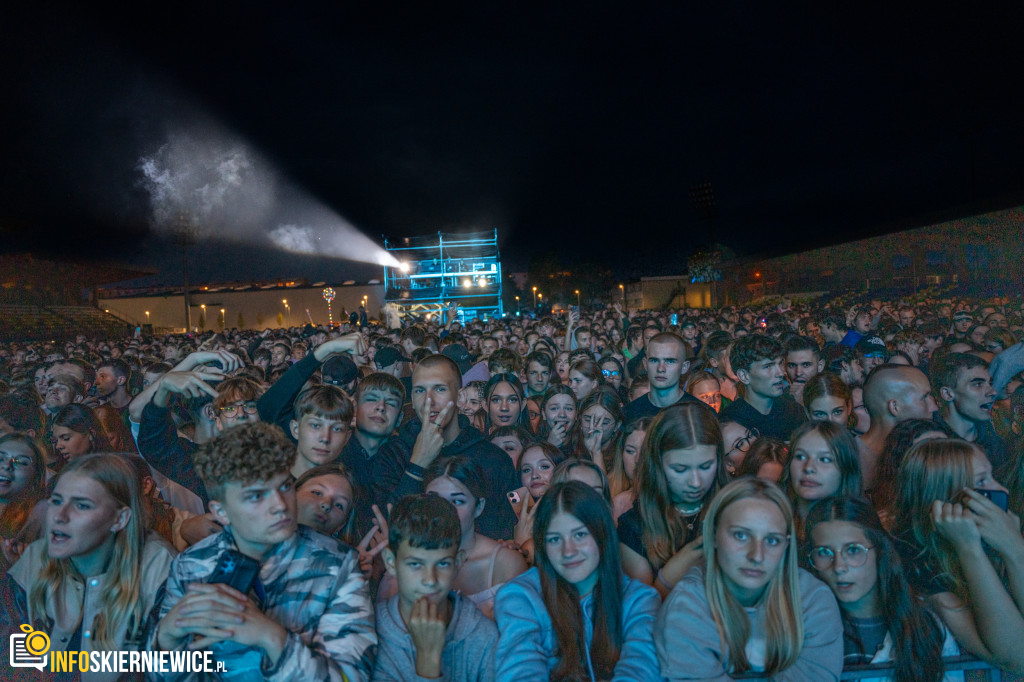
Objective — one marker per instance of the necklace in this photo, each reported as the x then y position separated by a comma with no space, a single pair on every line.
691,514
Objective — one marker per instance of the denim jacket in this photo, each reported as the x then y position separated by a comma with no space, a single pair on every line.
527,644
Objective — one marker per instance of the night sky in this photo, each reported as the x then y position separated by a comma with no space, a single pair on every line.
573,128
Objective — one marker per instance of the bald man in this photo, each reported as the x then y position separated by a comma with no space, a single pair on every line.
892,394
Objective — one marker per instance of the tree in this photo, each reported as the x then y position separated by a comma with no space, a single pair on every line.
202,320
280,319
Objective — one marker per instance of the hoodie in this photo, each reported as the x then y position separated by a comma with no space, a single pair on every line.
392,481
468,653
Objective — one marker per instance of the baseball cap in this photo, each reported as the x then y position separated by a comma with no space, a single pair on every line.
461,356
688,322
339,370
961,315
871,345
389,355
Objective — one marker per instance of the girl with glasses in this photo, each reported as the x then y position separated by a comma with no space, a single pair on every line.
748,608
882,620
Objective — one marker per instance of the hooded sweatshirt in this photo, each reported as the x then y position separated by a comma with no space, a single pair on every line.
469,644
393,482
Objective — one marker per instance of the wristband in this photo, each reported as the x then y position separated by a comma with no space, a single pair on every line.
661,579
415,471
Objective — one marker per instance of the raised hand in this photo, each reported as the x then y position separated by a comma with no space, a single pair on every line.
431,437
524,527
957,524
998,528
557,434
427,629
229,362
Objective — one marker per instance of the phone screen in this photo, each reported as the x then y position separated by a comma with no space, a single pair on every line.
675,318
998,497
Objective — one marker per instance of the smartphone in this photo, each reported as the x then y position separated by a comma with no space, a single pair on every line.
236,570
997,497
518,495
576,309
674,319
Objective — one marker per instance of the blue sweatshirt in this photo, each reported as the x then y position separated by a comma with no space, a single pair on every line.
527,644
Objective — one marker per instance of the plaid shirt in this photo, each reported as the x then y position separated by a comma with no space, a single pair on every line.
313,588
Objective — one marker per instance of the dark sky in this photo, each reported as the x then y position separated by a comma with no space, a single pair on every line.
576,128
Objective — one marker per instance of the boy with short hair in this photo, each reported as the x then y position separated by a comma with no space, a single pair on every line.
426,631
308,615
757,362
322,426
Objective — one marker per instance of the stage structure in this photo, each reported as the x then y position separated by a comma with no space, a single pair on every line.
449,267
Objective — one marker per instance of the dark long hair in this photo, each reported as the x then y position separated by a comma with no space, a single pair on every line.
916,636
563,600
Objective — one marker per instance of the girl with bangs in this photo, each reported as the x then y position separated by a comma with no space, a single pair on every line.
91,581
944,518
601,427
560,425
681,467
751,609
574,616
883,622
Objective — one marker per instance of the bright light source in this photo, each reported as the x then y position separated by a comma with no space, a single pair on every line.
467,283
482,282
404,267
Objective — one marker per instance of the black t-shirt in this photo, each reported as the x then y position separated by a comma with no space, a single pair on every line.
631,531
643,407
785,416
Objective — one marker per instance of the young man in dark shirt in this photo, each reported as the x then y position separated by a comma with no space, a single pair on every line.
966,395
757,362
664,362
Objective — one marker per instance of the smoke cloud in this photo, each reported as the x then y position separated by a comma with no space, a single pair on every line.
225,189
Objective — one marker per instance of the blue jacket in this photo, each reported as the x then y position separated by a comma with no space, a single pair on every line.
526,639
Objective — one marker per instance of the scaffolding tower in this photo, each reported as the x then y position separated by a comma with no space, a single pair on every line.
449,267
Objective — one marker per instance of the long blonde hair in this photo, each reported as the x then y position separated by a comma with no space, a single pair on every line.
936,469
784,625
124,608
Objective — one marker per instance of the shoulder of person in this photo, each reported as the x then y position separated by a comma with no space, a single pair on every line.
30,564
636,593
469,622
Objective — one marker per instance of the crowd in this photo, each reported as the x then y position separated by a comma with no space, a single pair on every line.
784,491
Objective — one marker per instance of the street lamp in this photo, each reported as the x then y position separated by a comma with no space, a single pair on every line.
147,317
577,298
287,308
517,304
622,289
535,297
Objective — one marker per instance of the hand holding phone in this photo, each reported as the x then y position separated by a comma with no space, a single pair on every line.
236,570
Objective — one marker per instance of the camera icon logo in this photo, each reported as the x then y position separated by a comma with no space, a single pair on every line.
29,648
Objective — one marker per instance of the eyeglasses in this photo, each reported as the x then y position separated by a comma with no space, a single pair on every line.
854,555
17,461
235,409
875,355
608,373
743,444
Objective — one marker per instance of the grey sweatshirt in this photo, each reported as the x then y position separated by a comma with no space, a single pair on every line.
468,647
